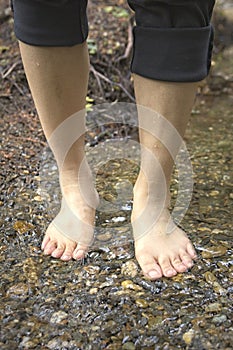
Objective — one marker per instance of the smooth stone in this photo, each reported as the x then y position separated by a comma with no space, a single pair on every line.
188,336
91,269
213,252
54,343
219,319
93,290
19,289
128,284
214,307
59,317
129,268
142,303
104,237
153,322
209,277
22,227
29,343
128,346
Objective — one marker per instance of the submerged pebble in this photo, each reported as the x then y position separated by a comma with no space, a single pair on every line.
188,336
129,268
213,252
59,317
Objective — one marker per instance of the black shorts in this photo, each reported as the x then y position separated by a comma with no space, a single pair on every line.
173,39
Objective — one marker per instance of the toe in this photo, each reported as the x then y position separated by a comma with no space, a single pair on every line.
68,253
149,266
57,253
167,269
191,251
45,242
79,252
178,265
50,247
186,259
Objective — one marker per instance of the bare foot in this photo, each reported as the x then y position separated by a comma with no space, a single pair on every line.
70,234
164,250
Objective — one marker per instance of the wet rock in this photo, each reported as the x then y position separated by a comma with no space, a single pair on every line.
59,317
28,343
54,343
219,289
104,237
188,336
214,307
91,269
141,303
18,290
128,284
22,227
128,346
93,291
209,277
149,341
219,319
110,327
213,252
154,321
129,268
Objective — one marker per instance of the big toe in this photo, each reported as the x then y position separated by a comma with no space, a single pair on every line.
79,252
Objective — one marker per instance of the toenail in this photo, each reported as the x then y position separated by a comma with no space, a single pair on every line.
66,257
153,274
170,272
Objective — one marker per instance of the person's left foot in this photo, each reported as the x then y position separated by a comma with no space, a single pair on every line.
159,251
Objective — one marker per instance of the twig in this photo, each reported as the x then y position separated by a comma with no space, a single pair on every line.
129,45
101,76
93,70
4,75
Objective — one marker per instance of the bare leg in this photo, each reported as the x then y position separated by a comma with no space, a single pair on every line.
58,78
158,252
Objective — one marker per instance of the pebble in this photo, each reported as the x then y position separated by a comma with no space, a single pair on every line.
19,289
128,346
59,317
128,284
153,322
104,237
219,289
109,327
129,268
213,252
93,290
214,193
214,307
54,343
22,227
142,303
91,269
188,336
209,277
29,343
219,319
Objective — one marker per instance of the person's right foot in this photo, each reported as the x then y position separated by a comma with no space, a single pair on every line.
82,201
